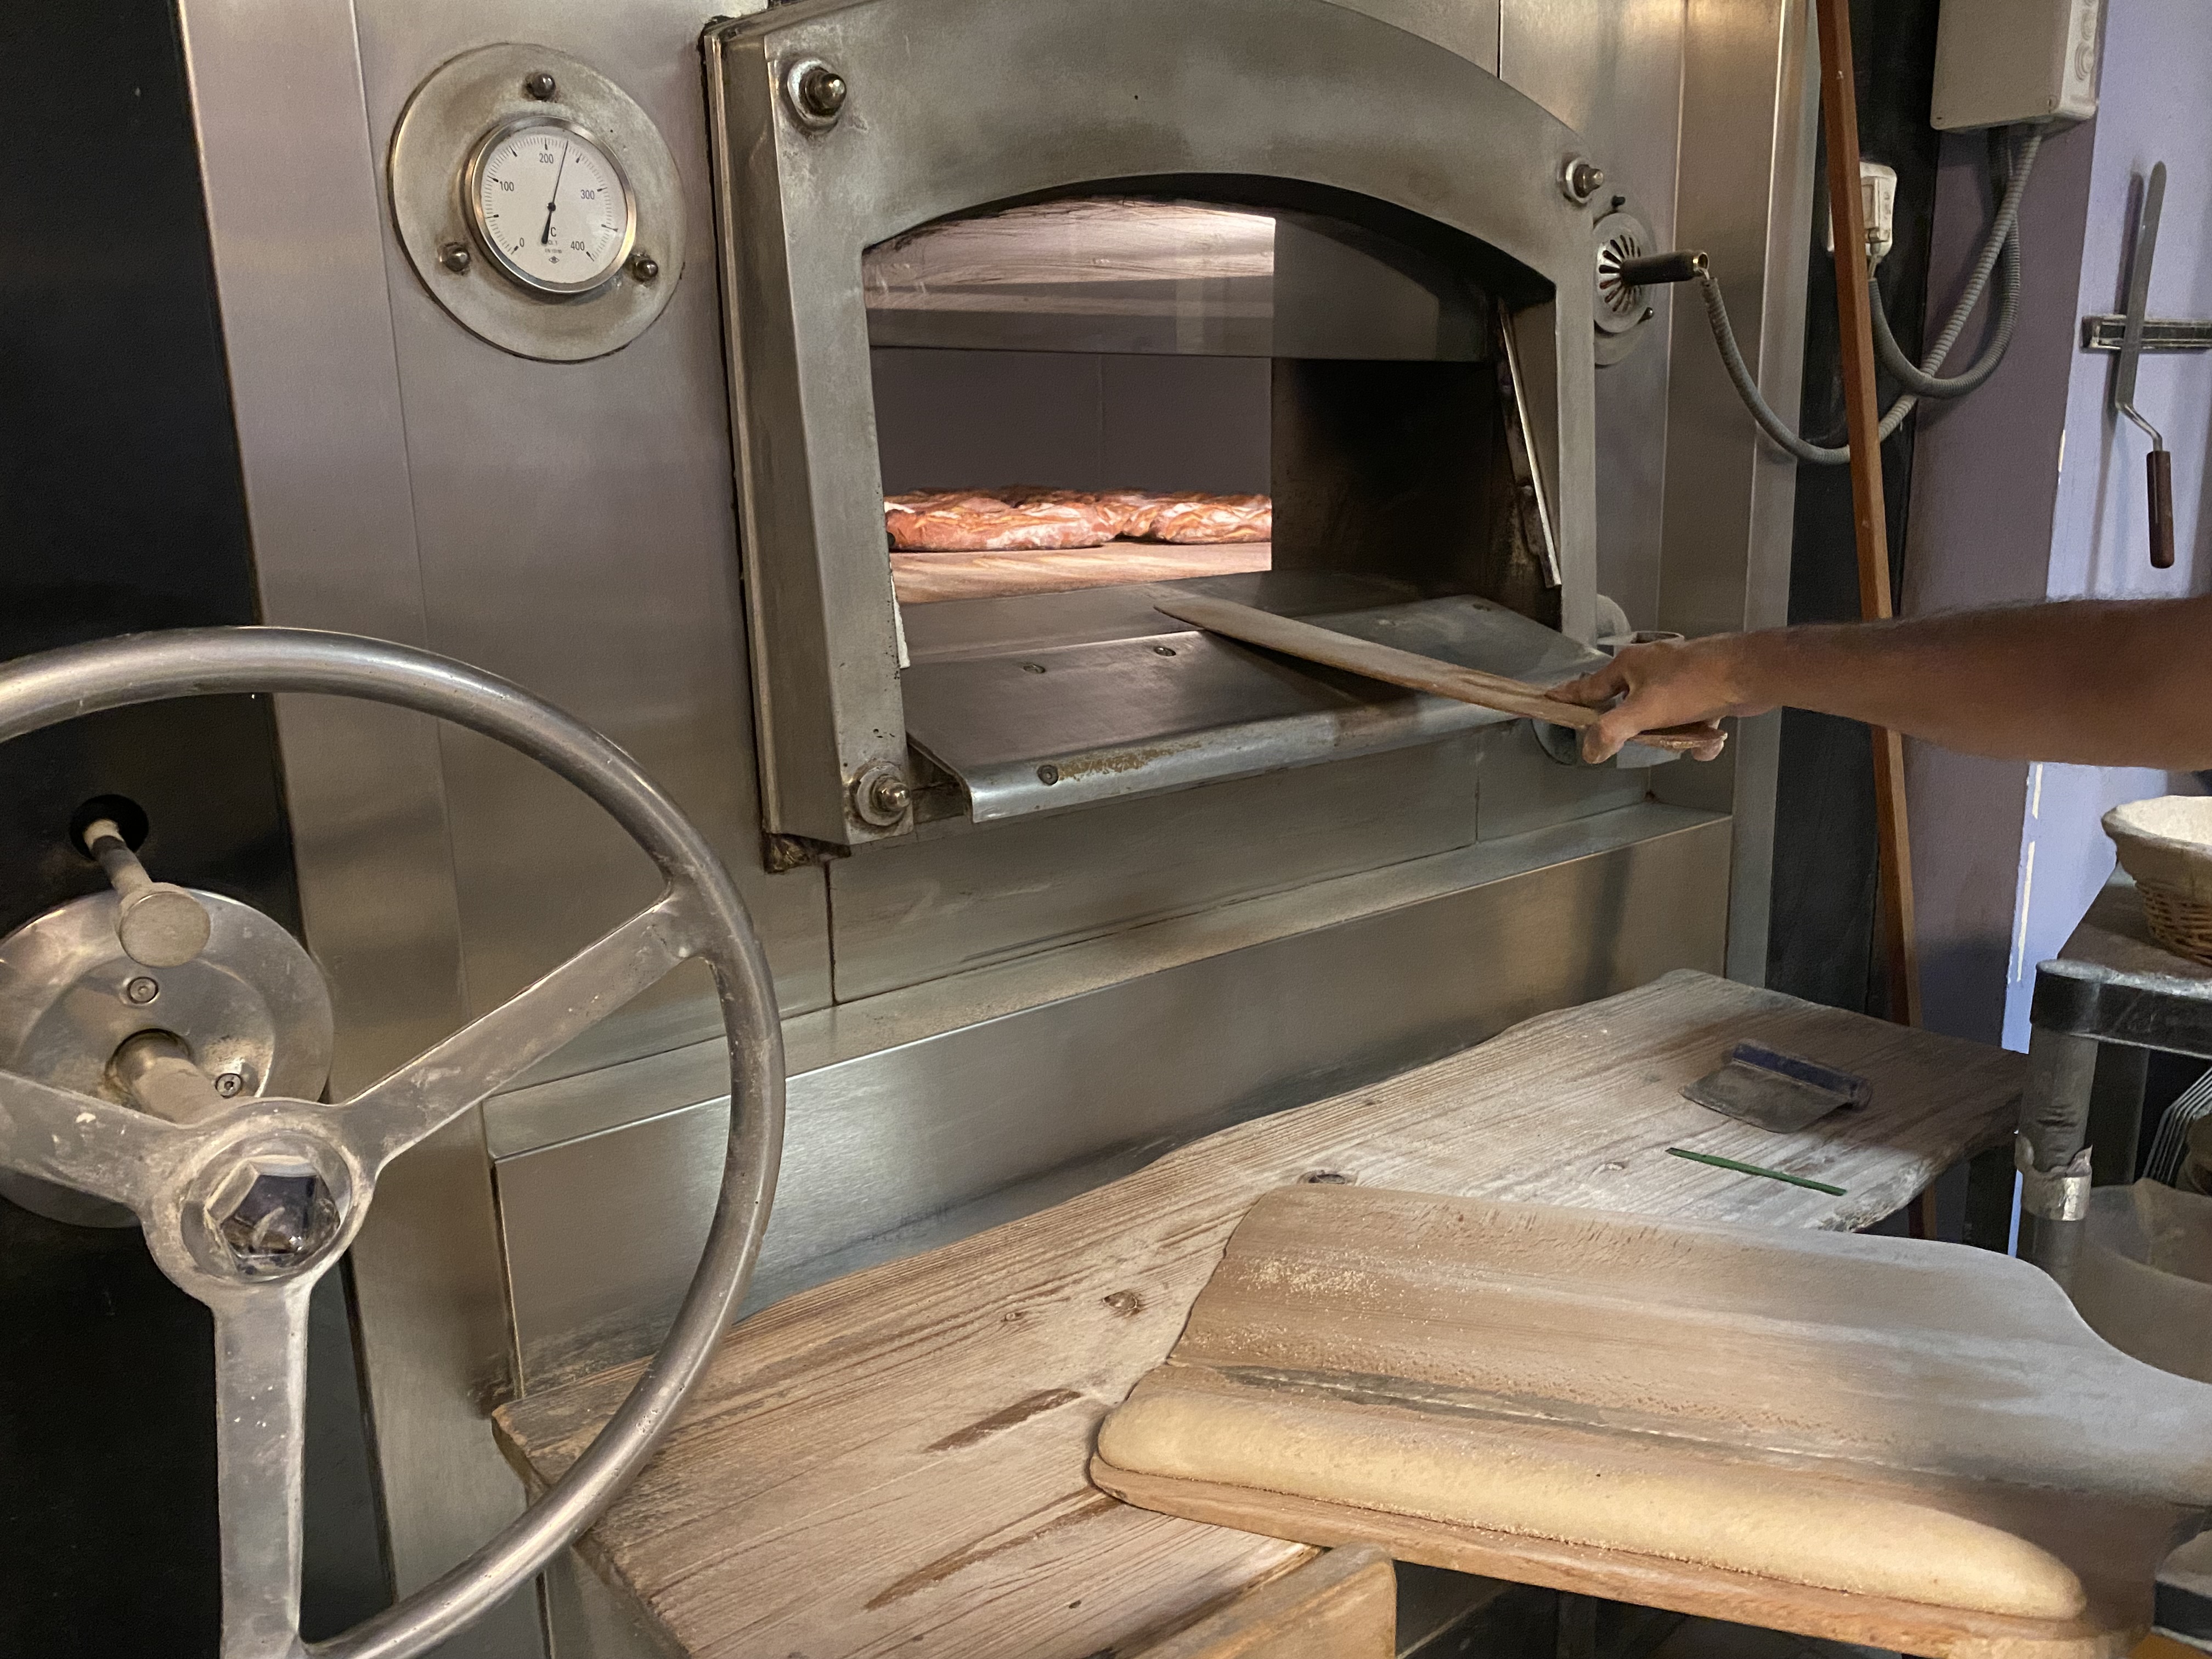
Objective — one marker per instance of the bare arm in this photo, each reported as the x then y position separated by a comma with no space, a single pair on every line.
2104,682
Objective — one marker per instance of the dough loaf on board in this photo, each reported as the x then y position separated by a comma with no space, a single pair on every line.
1543,1484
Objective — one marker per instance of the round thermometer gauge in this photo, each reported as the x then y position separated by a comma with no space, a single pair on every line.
550,206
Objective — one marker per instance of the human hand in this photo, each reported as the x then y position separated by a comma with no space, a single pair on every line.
1672,683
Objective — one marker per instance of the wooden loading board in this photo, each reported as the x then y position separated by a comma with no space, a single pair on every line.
897,1461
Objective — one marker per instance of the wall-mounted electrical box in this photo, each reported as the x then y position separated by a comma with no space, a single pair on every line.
2002,61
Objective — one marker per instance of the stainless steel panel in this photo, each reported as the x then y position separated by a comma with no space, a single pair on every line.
1240,87
1612,70
524,1119
600,1230
1703,115
589,1619
1524,788
577,536
1469,27
1744,196
958,896
289,169
297,236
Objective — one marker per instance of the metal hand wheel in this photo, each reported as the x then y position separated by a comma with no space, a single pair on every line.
245,1206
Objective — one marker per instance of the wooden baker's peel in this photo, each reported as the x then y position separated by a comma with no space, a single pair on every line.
1909,1445
1387,663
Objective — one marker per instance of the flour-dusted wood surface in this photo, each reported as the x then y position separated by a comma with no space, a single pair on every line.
1341,1605
1313,643
1869,1415
902,1456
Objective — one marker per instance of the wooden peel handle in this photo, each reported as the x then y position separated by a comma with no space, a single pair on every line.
1311,644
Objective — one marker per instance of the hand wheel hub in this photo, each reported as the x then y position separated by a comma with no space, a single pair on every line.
270,1207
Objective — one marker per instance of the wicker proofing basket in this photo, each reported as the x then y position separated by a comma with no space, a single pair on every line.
2165,844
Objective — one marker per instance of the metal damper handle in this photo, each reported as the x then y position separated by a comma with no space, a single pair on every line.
207,1177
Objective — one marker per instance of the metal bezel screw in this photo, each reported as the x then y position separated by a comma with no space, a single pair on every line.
140,991
644,266
539,85
455,257
229,1085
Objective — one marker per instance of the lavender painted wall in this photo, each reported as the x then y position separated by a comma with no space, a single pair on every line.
2026,491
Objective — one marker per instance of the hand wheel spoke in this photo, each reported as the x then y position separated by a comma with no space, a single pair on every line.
261,1425
93,1146
389,1116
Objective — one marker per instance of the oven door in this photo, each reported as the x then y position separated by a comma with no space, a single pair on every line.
1357,243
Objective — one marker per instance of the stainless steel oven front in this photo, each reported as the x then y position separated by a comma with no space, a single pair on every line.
1048,881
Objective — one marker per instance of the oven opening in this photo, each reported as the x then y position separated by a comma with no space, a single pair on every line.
1081,392
1077,398
1014,471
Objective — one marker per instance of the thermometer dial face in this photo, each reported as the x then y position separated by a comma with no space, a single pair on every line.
550,206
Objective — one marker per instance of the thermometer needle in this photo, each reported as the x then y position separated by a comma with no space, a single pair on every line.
546,236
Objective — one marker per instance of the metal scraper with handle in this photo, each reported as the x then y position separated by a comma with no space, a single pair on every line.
2124,378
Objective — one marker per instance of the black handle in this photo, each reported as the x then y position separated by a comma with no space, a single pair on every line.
1650,270
2162,508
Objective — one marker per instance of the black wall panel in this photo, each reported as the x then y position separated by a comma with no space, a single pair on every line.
1822,944
121,509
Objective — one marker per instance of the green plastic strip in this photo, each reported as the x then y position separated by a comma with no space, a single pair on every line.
1754,1168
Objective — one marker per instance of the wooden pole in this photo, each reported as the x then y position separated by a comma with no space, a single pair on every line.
1840,121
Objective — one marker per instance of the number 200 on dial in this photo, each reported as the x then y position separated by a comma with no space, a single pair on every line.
550,206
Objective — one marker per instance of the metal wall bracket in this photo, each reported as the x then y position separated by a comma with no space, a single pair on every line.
2103,332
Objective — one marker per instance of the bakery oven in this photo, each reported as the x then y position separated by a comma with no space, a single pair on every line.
1311,304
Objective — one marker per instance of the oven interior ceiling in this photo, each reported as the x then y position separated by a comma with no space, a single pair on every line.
1111,343
1169,278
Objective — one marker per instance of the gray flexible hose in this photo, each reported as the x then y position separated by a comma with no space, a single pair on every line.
1761,411
2002,251
2001,247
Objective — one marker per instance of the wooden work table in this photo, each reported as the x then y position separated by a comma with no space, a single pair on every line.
895,1462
